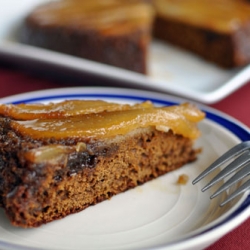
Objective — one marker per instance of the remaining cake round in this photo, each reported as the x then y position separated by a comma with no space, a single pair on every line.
216,30
111,32
118,32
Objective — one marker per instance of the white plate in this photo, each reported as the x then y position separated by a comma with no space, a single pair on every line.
170,69
157,215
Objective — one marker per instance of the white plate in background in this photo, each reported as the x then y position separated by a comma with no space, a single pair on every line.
171,70
157,215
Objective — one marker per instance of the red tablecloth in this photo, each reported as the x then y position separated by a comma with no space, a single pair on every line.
237,105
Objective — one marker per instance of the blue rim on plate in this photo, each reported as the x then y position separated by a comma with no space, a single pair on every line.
238,129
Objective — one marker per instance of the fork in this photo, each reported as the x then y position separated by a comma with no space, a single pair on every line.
241,163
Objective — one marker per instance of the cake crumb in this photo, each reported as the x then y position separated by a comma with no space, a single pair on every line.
183,179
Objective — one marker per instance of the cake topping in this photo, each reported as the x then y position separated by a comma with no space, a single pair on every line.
180,119
218,15
109,16
64,109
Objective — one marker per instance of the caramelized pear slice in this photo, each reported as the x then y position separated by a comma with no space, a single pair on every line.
180,119
53,154
64,109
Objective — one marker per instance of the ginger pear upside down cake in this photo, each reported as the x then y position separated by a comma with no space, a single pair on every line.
113,32
60,158
118,32
216,30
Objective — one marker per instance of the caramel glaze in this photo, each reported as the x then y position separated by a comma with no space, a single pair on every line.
108,17
180,119
218,15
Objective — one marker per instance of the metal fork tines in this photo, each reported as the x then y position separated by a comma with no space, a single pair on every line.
242,164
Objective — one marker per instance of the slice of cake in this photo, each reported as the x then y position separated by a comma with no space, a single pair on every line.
118,32
60,158
216,30
113,32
